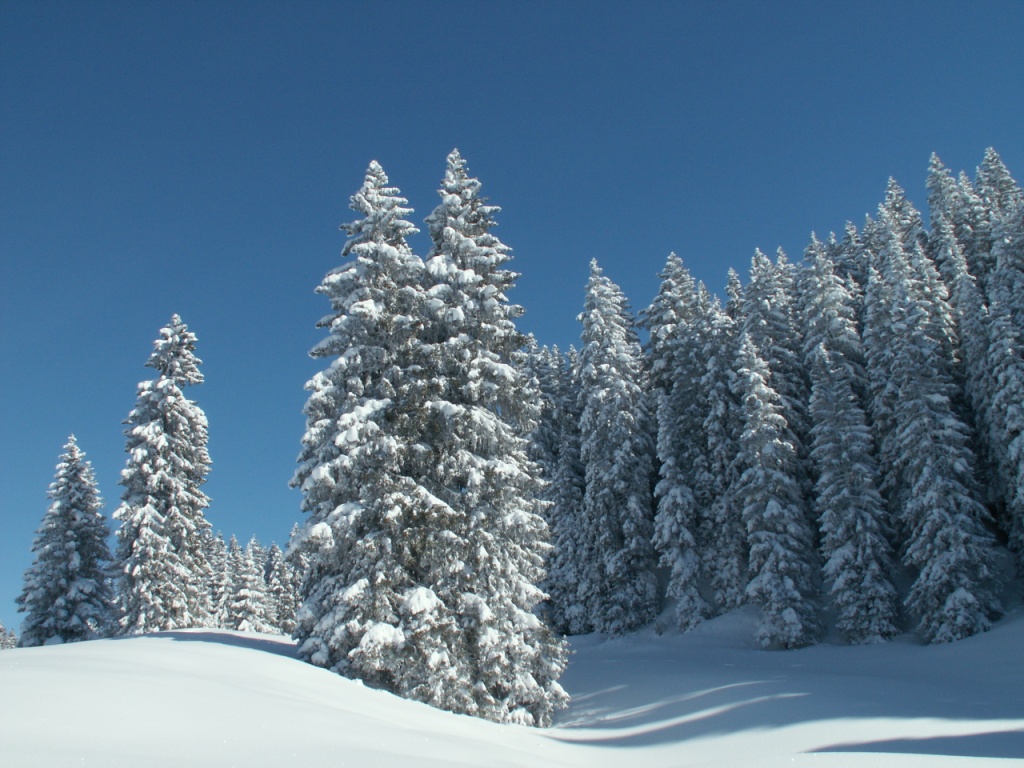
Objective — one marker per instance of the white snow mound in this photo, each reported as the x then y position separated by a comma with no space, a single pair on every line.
707,698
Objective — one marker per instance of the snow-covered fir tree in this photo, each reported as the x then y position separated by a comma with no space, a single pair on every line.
555,446
925,452
677,362
851,513
282,595
783,563
726,554
567,609
66,596
771,321
355,543
8,639
423,541
161,556
617,525
221,585
479,410
248,607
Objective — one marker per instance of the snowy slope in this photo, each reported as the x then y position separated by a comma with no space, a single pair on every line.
708,698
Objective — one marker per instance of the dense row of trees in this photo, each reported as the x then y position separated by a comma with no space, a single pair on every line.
167,571
840,438
835,429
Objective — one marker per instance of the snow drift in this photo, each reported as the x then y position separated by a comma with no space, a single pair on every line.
706,698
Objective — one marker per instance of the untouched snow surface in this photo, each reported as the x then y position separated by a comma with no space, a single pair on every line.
707,698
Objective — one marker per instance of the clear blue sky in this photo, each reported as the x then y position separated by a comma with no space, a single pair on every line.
198,157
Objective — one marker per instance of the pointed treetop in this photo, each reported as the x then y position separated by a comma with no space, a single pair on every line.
174,354
383,211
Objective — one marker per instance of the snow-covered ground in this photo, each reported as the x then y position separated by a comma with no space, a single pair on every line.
708,698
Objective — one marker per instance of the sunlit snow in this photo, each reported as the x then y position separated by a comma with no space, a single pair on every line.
707,698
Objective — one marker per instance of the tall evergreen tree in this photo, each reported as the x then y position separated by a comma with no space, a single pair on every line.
478,411
567,606
931,487
162,542
423,542
221,585
676,354
66,596
783,564
362,540
851,513
616,452
726,554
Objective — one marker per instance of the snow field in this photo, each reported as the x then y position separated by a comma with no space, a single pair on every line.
706,698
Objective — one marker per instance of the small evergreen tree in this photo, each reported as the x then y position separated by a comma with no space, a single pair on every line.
8,639
161,552
248,609
66,596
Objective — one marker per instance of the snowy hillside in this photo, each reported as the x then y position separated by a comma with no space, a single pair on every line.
708,698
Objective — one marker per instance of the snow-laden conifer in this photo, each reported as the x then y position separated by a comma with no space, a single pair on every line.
726,555
249,609
617,525
556,447
925,452
161,555
851,513
363,539
676,355
8,638
221,585
770,320
423,543
783,563
66,596
282,596
567,606
477,411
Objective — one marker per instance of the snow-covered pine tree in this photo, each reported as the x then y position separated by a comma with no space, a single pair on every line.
930,484
726,554
423,543
363,540
66,596
676,362
221,585
477,411
248,609
617,526
852,517
771,321
161,555
8,639
783,563
282,597
567,609
1003,203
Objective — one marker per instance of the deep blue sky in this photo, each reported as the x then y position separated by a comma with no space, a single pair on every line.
198,158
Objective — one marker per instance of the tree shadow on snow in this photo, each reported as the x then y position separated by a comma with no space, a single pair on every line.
998,744
720,694
278,646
